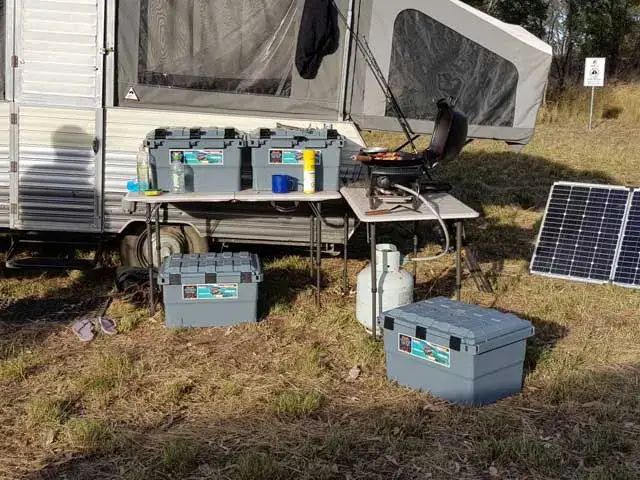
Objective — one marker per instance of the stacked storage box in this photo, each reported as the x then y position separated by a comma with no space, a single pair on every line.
211,156
279,152
210,290
462,353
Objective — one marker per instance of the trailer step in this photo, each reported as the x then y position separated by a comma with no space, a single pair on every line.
39,259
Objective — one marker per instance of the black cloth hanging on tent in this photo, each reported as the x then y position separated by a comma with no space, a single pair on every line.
319,36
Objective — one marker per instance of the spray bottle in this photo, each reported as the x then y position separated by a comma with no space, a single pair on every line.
309,158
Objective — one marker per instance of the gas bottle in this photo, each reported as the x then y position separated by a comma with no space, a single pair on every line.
395,285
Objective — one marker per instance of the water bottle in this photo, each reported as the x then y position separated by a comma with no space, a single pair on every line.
143,171
177,173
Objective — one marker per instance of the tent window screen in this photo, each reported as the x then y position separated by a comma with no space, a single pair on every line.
237,46
430,60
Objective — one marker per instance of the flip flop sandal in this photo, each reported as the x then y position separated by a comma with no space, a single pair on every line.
107,325
83,329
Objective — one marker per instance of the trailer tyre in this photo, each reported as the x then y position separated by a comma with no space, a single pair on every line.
173,240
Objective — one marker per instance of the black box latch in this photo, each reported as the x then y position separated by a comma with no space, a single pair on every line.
389,323
421,333
455,343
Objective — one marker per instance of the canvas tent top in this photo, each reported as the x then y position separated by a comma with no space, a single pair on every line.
239,57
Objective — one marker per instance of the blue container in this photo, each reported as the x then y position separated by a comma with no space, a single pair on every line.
212,158
210,289
462,353
279,152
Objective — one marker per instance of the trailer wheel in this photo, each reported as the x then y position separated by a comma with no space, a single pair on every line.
173,240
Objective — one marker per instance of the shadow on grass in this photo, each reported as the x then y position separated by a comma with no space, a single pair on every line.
29,320
284,280
481,178
584,426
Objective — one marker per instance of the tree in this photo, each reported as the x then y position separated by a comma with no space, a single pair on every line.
606,25
530,14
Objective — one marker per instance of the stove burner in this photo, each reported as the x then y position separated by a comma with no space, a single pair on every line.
382,180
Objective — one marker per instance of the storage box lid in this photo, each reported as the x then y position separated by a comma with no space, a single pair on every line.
212,267
192,133
308,134
479,329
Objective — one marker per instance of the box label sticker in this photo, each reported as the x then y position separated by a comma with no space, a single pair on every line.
423,350
207,157
210,291
279,156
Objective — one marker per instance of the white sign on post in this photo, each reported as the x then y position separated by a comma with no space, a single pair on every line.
594,71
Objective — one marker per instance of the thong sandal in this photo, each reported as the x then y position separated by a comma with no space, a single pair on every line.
83,329
107,325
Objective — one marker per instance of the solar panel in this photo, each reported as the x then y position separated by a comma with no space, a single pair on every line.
627,271
580,232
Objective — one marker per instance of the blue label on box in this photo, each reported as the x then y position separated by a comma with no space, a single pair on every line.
280,156
208,157
210,291
424,350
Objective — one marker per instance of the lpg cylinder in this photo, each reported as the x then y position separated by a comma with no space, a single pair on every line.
395,285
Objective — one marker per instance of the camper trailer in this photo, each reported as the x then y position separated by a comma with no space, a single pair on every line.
86,80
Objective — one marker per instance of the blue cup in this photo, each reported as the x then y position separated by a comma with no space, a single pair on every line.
283,184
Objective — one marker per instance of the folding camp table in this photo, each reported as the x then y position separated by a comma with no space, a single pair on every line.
447,206
153,205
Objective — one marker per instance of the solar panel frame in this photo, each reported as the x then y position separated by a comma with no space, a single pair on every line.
628,258
568,258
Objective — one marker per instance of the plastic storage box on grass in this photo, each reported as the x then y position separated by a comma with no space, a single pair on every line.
210,289
279,152
211,156
462,353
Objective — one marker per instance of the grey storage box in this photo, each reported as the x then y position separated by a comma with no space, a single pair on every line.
279,152
211,156
210,289
463,353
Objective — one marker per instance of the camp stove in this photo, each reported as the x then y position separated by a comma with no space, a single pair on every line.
386,169
382,190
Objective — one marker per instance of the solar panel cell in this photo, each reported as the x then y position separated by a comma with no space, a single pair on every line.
627,271
580,232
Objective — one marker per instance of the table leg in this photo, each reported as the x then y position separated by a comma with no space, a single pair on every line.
345,272
415,251
458,261
158,240
318,212
312,243
374,280
152,303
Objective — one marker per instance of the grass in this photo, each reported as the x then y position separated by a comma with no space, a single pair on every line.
90,436
179,457
271,401
49,411
296,404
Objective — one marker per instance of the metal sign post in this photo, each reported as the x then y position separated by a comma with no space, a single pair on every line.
593,98
594,71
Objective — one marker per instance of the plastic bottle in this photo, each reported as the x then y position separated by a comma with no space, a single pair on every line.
178,184
143,171
309,177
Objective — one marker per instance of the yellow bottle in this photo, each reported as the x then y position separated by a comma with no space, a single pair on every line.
309,157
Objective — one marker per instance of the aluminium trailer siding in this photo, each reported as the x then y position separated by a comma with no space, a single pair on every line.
5,164
245,223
